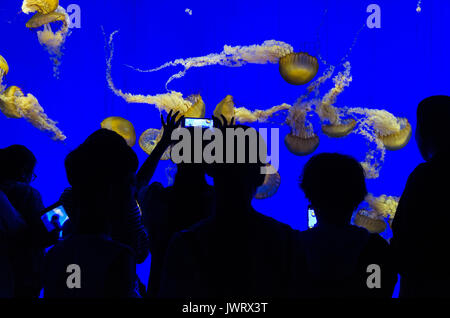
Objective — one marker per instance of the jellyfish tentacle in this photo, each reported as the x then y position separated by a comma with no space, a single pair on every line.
48,11
14,104
232,56
169,101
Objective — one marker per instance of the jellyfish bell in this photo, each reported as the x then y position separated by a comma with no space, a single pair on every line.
298,68
149,139
269,187
339,130
225,108
41,6
121,126
40,19
370,220
8,102
301,146
198,108
399,139
4,68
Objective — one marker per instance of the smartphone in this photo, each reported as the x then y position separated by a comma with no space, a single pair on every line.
312,220
198,122
54,216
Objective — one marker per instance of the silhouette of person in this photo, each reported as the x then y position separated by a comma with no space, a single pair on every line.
12,226
236,251
420,224
27,250
333,257
167,210
101,172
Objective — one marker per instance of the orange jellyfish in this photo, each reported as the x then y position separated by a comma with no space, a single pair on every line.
393,132
41,6
298,68
269,187
370,220
121,126
302,140
198,108
149,139
47,12
380,208
332,123
342,129
225,108
4,69
14,104
399,139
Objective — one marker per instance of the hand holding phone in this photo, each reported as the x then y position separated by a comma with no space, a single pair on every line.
54,217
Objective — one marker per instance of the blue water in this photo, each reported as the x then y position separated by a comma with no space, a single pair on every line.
393,67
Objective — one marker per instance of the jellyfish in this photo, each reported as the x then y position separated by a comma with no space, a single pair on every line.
302,140
225,108
14,104
121,126
370,220
48,12
397,140
269,187
298,68
198,108
169,101
419,6
41,6
243,115
384,204
339,130
149,139
393,132
380,209
269,51
4,69
332,123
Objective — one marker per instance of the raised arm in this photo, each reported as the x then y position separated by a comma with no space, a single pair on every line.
147,170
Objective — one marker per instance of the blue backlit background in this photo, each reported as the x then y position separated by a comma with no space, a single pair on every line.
393,68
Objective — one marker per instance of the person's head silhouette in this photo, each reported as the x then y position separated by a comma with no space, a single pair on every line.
237,178
101,172
17,164
432,133
191,171
335,186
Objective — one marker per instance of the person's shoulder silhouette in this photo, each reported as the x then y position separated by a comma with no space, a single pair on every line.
420,223
332,258
101,172
237,251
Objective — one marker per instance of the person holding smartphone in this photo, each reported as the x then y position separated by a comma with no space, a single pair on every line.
17,164
167,210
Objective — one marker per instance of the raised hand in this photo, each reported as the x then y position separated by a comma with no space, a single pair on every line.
223,123
169,126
